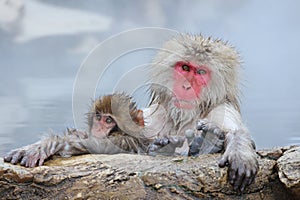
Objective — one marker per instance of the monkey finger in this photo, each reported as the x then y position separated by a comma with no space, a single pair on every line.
24,161
53,147
246,180
231,176
195,146
32,159
42,159
152,149
240,178
8,157
16,157
176,141
32,162
201,125
193,151
251,178
161,141
28,162
232,173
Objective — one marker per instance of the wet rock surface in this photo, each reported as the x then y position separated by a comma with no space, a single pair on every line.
289,170
126,176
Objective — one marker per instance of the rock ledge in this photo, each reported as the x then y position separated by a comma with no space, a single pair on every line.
126,176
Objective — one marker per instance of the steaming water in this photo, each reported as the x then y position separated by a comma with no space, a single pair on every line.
38,70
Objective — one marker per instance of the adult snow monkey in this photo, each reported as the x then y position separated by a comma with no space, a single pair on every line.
195,107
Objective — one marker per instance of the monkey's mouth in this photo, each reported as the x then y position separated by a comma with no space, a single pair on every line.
184,104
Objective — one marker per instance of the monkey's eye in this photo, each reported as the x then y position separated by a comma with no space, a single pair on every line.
109,120
201,71
98,116
185,68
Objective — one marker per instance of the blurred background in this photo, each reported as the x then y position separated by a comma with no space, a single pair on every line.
44,42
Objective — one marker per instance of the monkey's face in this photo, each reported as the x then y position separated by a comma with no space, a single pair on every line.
189,81
102,125
114,113
193,70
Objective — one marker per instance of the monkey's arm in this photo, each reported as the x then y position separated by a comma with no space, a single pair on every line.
165,146
105,145
36,154
239,155
117,143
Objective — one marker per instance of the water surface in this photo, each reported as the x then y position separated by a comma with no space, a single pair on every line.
42,51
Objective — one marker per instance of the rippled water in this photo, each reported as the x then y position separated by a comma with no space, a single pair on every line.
40,58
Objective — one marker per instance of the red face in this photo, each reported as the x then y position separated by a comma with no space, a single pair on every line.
189,80
102,125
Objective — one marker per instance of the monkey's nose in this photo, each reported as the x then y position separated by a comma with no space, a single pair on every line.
186,86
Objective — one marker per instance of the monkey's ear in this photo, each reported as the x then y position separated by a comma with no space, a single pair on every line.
140,118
